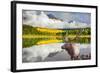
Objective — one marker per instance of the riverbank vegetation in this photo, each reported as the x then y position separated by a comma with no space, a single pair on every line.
37,35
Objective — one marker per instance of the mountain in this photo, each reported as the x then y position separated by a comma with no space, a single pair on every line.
71,21
51,16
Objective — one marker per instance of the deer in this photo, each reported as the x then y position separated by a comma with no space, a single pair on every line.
72,48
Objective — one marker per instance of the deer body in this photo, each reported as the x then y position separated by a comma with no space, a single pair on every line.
72,49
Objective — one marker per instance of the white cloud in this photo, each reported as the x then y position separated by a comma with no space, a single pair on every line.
42,20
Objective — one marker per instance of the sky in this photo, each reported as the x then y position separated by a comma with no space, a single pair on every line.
69,19
70,16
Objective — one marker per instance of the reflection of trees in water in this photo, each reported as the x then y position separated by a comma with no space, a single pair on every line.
28,42
80,40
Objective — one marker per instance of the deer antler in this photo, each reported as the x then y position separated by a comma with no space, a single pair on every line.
76,37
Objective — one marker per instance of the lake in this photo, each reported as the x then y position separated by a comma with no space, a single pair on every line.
30,52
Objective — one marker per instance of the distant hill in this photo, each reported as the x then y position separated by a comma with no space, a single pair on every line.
51,16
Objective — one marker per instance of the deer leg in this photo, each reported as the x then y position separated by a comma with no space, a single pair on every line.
72,58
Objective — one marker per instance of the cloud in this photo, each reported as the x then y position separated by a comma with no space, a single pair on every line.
42,20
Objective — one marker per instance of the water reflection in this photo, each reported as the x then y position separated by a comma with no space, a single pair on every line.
28,42
41,53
